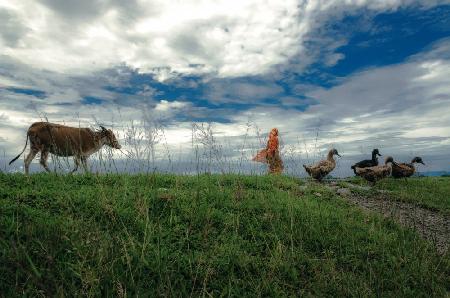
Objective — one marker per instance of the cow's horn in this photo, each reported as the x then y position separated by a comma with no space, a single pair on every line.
102,127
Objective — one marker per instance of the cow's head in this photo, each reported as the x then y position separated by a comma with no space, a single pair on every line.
109,138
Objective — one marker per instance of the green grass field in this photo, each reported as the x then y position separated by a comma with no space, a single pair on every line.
218,235
428,192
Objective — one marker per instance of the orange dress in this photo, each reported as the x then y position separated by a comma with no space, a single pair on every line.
271,154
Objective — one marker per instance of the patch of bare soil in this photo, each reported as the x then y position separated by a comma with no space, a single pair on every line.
431,225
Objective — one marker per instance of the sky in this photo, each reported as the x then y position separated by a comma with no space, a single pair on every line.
217,75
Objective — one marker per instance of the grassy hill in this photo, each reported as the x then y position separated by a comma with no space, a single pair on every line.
220,235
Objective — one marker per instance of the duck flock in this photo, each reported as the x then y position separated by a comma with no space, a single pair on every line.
368,169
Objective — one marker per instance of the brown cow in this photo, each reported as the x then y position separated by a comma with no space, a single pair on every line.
63,140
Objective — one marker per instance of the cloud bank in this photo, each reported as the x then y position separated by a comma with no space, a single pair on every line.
222,38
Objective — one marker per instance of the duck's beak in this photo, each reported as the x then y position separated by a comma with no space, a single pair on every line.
422,162
379,154
338,154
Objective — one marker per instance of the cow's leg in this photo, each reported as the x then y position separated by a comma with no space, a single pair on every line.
84,163
43,161
76,160
29,159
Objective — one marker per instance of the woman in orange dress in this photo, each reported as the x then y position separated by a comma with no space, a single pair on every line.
271,155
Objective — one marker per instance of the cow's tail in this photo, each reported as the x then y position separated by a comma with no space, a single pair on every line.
15,158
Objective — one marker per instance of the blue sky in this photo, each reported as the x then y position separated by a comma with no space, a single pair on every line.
350,74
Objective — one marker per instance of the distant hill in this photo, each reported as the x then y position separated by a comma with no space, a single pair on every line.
433,173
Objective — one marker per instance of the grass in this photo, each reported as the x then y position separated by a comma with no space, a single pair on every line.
209,235
428,192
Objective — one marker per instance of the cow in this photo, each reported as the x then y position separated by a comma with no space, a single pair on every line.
64,140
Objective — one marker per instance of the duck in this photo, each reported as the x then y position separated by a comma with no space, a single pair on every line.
404,170
367,162
376,173
322,168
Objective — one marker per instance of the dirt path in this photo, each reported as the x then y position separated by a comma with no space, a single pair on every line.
431,225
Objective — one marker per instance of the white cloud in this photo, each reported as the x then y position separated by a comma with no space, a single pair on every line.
224,38
165,106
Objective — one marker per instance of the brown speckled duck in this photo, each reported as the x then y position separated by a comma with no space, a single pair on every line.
404,170
376,173
319,170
